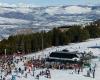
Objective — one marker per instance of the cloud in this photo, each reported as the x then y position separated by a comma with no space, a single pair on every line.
24,8
53,10
97,11
17,5
26,5
7,5
21,7
68,10
77,10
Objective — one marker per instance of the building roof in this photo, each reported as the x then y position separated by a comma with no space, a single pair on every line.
64,56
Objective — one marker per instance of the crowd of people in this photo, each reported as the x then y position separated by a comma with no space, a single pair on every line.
10,66
22,66
91,70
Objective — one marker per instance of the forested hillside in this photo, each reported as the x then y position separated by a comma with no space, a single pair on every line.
38,41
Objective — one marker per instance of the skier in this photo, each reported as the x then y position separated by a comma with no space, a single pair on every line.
90,69
1,77
4,78
93,72
25,68
37,77
78,71
88,73
99,57
13,77
48,73
22,72
25,75
19,69
33,69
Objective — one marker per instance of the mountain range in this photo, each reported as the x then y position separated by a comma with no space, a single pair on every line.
38,18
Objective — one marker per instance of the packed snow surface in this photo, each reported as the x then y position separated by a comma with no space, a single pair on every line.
80,47
66,74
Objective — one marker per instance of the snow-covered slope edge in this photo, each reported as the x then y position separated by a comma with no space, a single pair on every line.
80,47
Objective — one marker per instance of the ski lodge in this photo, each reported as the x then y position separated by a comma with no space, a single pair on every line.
65,57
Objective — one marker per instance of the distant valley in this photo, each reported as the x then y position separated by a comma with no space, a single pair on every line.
13,19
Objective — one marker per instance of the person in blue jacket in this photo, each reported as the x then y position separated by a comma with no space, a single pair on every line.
13,77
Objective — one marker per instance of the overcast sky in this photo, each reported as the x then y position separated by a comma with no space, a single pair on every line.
51,2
